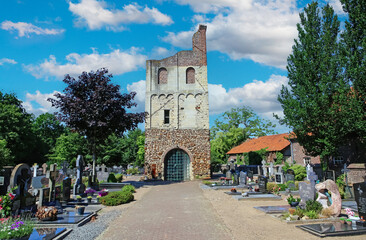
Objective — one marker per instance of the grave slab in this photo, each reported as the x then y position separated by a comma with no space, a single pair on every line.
333,229
273,209
269,197
47,233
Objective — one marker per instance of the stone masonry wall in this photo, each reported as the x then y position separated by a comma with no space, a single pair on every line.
195,142
299,154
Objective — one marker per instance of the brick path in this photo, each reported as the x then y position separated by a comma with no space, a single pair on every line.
174,211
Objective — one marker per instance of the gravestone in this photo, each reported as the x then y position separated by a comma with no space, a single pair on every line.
279,178
290,171
360,197
44,195
242,178
307,192
79,187
236,179
21,177
103,173
65,166
52,175
329,175
262,184
37,182
250,174
228,175
288,178
5,174
66,189
271,172
348,192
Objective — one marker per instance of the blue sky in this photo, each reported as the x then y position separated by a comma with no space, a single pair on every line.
248,43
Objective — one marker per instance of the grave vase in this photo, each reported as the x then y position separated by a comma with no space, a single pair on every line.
80,210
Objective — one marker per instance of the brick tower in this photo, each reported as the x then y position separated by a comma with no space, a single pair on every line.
177,126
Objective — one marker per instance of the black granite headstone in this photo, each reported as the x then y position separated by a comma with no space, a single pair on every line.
250,174
66,189
262,184
5,173
360,197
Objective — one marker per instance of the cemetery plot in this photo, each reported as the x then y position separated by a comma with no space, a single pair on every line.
333,229
48,233
273,209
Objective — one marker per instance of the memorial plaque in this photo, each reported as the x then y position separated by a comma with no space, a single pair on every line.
262,184
360,197
250,174
279,178
289,177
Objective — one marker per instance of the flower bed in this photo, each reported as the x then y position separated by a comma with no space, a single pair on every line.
15,228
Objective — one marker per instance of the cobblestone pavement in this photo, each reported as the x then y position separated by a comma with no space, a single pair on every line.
173,211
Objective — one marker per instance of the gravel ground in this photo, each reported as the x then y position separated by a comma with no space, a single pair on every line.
92,230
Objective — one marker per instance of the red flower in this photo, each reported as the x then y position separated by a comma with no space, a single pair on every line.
11,196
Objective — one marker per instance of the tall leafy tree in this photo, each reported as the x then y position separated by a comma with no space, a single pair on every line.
312,101
95,107
234,127
5,154
48,129
354,53
16,129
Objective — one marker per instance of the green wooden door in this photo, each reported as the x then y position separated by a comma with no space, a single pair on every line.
177,166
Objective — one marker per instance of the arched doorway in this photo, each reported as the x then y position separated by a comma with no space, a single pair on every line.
177,165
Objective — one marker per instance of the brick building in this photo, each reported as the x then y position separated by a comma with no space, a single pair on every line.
292,151
177,139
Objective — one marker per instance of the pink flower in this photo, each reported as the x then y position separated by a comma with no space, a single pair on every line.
1,207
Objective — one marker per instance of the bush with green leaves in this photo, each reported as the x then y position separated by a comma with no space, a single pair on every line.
312,214
132,171
299,212
291,199
300,172
128,188
313,205
341,183
271,186
119,177
117,198
112,178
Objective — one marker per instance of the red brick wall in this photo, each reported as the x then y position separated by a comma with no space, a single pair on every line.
299,154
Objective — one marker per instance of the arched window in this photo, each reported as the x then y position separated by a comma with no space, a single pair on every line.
162,76
190,75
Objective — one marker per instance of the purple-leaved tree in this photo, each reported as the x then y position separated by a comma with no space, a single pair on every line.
95,108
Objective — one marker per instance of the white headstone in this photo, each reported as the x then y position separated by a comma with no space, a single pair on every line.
35,167
271,173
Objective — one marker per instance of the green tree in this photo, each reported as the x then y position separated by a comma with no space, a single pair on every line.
48,129
68,146
354,63
233,128
5,154
16,129
140,158
312,100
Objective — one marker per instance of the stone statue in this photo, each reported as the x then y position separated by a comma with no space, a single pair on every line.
336,201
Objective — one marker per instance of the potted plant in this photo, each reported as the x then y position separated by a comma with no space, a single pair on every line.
349,221
15,228
79,209
78,198
98,198
233,190
89,198
342,220
293,202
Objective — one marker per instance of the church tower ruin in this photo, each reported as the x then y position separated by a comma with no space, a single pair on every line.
177,132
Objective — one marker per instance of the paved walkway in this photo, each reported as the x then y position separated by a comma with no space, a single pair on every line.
174,211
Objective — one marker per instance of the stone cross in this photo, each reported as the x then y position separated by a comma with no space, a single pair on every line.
345,170
35,167
52,176
312,178
103,168
309,170
44,168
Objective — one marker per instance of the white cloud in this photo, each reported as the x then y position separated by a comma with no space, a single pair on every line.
140,89
41,100
337,6
95,15
7,60
259,95
117,62
160,52
26,29
263,31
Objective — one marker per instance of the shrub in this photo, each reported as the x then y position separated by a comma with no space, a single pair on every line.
270,186
313,205
128,188
282,186
312,214
119,177
297,185
291,199
340,181
300,172
291,182
132,171
112,178
299,212
117,198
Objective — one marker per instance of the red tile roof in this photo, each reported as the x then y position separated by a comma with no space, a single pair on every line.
273,143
